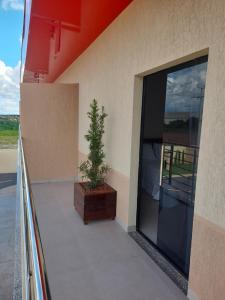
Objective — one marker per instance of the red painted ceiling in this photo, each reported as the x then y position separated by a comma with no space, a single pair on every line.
60,31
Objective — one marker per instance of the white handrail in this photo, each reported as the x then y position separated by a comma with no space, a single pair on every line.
35,283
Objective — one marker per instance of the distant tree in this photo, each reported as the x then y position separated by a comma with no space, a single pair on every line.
9,123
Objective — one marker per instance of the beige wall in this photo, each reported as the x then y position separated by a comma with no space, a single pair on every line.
207,276
49,123
147,36
150,35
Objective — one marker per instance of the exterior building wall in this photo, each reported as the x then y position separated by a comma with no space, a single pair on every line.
49,125
149,36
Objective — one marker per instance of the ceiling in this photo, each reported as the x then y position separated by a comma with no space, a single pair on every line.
59,31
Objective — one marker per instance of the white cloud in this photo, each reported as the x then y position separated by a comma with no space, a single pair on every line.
9,88
185,89
12,4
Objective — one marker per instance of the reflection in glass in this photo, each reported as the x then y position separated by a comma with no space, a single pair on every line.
151,161
171,123
184,100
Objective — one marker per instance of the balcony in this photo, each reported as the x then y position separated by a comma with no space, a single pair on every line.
99,260
125,53
94,261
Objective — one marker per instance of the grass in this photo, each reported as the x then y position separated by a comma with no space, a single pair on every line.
13,132
9,126
182,169
8,139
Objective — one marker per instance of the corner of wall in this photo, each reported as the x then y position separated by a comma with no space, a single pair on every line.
191,295
135,145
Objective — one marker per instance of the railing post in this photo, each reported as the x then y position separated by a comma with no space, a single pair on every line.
171,164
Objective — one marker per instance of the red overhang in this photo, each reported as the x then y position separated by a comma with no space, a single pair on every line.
59,31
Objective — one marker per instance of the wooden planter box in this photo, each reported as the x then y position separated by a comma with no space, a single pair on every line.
95,204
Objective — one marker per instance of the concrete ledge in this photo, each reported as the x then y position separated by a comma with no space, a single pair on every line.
161,261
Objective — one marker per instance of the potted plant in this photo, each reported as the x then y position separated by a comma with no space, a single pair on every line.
93,198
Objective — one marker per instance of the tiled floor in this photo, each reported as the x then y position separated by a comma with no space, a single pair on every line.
7,241
98,261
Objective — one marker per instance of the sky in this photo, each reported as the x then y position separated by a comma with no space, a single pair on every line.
185,89
11,22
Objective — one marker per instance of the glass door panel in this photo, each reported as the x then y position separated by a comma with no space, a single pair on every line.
171,123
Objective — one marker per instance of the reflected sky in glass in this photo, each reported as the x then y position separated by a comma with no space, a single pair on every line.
185,89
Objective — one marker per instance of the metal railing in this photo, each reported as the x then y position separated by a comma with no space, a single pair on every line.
34,277
179,171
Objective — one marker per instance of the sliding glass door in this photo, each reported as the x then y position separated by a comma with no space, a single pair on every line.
170,134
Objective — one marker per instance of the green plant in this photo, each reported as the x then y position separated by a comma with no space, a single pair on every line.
94,169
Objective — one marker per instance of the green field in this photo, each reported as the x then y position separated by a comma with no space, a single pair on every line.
9,126
180,169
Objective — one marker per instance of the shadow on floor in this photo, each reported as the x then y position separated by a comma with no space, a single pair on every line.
7,179
7,235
